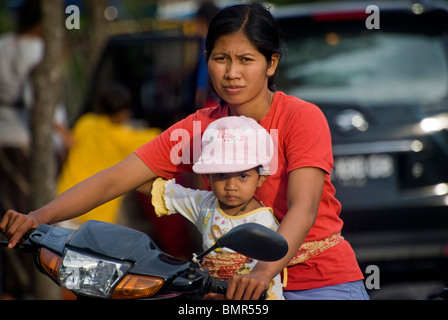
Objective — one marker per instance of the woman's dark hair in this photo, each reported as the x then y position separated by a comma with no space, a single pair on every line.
256,22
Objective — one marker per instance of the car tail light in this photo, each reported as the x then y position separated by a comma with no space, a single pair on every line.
340,16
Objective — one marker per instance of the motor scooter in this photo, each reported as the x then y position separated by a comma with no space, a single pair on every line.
107,261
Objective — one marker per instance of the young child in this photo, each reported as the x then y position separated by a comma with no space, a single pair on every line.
236,158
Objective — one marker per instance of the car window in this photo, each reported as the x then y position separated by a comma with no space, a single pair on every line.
366,67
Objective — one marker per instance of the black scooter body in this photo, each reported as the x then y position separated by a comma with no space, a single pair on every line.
130,245
180,278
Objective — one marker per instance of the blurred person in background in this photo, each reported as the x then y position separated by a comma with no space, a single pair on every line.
102,139
21,51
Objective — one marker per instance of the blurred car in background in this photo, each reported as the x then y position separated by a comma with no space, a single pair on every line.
385,95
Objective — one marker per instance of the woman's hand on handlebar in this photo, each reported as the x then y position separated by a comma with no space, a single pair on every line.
246,287
15,225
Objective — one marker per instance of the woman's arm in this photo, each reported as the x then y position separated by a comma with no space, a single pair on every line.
305,187
102,187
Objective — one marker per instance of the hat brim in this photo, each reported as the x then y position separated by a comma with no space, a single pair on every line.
205,168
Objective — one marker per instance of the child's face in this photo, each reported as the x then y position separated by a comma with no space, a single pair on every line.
235,189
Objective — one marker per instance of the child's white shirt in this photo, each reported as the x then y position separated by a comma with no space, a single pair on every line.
202,209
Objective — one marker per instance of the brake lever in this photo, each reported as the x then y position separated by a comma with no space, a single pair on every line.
24,245
4,244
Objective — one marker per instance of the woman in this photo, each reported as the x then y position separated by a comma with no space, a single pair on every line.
243,49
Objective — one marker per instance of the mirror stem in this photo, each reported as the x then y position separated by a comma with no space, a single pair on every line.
198,258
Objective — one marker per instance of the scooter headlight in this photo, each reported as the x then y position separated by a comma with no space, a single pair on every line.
90,275
102,278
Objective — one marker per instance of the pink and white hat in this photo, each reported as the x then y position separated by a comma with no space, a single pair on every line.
234,144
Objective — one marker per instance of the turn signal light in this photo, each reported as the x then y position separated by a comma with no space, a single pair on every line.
137,286
50,262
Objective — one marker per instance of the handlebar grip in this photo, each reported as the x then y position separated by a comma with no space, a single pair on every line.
218,286
4,244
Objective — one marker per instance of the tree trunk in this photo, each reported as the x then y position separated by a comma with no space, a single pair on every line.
48,92
47,81
98,31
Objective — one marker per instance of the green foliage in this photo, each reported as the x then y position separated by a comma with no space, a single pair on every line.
6,18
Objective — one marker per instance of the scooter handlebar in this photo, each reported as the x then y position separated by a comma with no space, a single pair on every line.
218,286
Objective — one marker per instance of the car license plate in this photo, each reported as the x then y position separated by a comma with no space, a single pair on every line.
356,171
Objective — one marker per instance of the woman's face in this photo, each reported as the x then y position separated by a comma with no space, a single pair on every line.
239,72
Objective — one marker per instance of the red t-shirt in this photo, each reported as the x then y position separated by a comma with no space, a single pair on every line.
304,140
